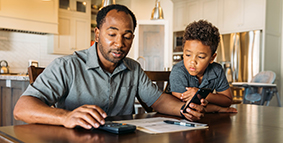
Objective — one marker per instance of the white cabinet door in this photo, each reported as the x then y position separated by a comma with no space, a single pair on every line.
74,29
38,10
243,15
192,12
233,15
211,11
179,16
254,14
81,34
186,12
74,35
151,46
29,15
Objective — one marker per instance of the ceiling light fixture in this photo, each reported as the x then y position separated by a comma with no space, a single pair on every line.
106,2
157,12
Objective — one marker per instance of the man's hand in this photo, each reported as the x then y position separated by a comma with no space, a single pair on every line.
198,113
86,116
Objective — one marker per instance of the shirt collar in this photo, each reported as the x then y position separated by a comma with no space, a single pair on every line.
209,74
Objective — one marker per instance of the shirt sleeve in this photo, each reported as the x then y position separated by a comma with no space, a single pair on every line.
178,80
222,83
147,90
51,84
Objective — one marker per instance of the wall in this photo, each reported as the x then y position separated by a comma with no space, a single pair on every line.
142,10
17,48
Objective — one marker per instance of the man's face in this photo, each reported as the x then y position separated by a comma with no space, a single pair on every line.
115,36
197,57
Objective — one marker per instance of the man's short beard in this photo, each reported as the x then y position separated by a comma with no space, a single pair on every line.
104,54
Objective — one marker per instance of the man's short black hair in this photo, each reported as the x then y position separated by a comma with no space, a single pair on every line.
100,19
204,32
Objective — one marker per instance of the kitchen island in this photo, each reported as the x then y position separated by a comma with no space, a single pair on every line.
11,88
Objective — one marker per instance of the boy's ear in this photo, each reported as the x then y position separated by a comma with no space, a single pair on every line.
212,58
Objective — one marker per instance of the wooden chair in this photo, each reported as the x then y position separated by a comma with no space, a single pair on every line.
33,72
161,78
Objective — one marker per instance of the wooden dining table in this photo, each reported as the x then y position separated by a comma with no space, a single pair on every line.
252,124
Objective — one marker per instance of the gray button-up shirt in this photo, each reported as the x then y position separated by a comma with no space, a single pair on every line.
213,78
78,79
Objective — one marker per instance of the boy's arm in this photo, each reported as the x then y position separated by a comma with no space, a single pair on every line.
223,98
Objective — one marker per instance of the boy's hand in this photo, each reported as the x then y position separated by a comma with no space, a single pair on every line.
188,95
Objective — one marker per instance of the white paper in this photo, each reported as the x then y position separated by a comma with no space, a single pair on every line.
156,125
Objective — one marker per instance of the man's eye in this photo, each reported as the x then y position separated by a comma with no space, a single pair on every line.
112,35
188,55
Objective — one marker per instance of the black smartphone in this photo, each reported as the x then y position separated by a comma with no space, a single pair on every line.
200,94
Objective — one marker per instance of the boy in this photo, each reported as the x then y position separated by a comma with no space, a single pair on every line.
197,70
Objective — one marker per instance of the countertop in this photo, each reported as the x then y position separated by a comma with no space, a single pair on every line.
14,77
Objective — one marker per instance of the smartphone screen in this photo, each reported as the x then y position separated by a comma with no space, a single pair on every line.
200,94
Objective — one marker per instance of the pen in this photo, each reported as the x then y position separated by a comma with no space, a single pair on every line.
179,123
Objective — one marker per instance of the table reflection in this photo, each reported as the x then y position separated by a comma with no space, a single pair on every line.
47,133
203,136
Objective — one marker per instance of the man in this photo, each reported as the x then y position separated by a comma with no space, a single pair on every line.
89,85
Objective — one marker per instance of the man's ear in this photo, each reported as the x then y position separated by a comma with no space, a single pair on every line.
212,58
96,33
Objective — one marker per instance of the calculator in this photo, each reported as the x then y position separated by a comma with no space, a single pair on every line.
117,128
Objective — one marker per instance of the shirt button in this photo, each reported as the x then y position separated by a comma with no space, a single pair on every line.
110,97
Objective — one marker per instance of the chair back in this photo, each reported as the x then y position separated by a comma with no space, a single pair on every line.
260,94
33,72
264,77
161,79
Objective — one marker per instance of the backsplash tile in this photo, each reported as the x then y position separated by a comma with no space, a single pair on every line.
18,48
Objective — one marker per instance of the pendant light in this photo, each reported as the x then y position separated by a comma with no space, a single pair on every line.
157,12
106,2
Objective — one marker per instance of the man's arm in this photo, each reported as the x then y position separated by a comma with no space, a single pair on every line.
32,110
169,104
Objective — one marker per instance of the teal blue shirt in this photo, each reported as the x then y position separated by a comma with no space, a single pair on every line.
213,78
78,79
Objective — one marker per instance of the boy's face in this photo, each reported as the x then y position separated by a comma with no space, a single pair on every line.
197,57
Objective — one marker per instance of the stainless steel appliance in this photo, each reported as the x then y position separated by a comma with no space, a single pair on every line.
178,37
177,47
239,53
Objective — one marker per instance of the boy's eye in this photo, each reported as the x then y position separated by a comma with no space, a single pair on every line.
112,35
201,57
188,55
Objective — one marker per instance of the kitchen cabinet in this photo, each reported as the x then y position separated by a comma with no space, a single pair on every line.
242,15
228,15
74,28
10,93
29,15
184,13
187,11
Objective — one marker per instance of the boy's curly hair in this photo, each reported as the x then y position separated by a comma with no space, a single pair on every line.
204,32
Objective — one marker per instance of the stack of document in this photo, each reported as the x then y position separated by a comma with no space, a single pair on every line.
157,125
